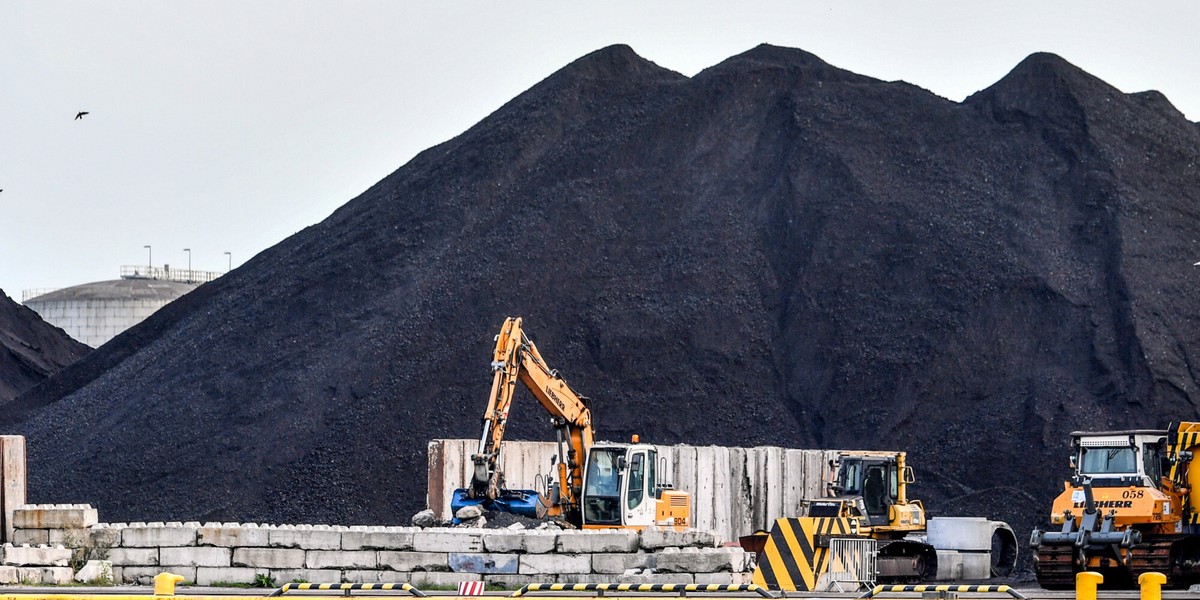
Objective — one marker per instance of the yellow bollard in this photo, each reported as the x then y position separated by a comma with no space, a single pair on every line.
164,583
1152,585
1086,583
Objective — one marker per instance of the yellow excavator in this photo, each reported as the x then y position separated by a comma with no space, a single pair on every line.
597,485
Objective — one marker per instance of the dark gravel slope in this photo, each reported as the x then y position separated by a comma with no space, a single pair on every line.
30,349
775,251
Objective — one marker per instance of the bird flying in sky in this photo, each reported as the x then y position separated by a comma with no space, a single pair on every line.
80,115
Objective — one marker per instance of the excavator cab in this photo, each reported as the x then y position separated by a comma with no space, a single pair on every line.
877,479
622,487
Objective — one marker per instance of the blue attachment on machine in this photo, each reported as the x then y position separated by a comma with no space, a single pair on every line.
518,502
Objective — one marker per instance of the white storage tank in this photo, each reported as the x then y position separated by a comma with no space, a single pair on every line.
94,313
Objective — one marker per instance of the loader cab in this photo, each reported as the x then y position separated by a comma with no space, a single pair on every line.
1134,458
621,485
876,479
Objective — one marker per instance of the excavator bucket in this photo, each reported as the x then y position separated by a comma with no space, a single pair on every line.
526,503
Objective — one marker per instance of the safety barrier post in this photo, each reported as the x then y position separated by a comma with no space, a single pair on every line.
164,583
1086,583
1152,585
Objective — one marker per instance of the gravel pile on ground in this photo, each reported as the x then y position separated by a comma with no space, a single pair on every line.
774,251
30,349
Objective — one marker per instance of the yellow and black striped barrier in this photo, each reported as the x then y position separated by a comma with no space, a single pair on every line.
681,588
347,587
794,557
978,589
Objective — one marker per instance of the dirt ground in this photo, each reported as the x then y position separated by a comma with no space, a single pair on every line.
774,251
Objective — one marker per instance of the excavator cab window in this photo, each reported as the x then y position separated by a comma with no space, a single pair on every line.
1152,462
637,481
849,478
874,490
1108,461
651,474
602,487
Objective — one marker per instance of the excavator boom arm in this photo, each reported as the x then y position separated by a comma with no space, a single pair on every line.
516,358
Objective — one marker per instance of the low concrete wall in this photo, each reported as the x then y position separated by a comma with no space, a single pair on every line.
245,552
735,491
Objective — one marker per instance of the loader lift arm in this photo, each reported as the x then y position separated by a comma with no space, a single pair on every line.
516,358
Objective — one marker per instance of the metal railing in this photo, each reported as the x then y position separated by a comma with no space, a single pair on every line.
34,293
166,273
852,561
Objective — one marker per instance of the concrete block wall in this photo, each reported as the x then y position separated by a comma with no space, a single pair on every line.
243,552
735,491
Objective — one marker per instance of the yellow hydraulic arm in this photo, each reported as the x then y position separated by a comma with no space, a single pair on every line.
516,358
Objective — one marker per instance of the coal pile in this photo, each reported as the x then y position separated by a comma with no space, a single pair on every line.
30,349
774,251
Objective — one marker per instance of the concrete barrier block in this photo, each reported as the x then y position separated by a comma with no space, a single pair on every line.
449,540
975,565
515,582
707,560
133,557
386,538
724,578
523,541
595,542
341,559
54,516
56,575
950,566
537,564
617,564
306,539
105,536
9,574
33,537
135,575
434,578
187,573
282,576
41,556
374,576
141,535
414,561
582,578
677,578
29,575
654,538
471,562
232,535
95,571
960,533
218,575
195,556
268,558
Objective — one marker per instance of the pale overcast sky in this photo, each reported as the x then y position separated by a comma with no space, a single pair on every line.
226,126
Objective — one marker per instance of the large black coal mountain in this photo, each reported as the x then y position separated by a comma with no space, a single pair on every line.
774,251
30,349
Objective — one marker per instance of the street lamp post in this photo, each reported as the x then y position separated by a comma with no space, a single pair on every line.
189,251
149,256
230,267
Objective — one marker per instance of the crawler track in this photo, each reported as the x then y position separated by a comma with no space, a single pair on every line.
1056,566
